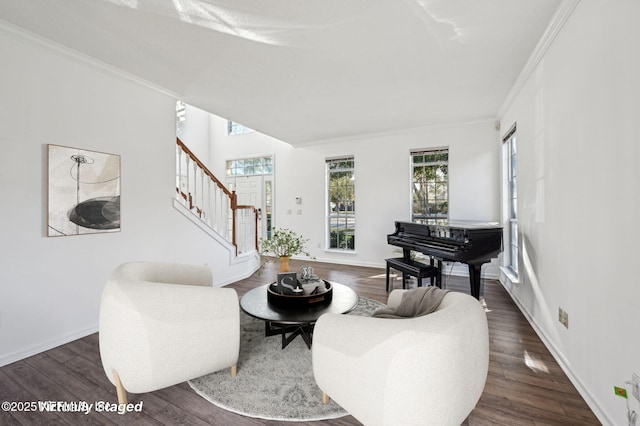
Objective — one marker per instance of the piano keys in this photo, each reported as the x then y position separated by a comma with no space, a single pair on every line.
473,243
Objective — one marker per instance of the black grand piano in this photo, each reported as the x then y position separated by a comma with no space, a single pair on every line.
473,243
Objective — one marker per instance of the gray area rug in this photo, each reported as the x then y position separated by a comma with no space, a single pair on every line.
272,383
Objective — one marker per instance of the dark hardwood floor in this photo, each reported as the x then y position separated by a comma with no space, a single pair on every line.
525,385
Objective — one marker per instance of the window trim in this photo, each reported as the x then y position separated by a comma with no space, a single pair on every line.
234,128
327,206
267,161
431,150
511,216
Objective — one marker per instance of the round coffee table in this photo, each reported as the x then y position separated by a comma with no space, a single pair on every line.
297,321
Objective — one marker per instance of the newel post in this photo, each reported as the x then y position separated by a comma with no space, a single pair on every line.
255,214
234,207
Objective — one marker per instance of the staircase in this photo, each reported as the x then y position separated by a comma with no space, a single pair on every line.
212,206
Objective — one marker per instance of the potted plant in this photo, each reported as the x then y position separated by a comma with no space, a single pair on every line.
283,244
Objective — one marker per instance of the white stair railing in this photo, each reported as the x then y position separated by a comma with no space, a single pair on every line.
246,229
207,198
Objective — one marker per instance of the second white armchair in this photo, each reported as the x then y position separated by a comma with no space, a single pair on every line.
427,370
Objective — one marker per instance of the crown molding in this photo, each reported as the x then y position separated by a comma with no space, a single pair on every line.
81,57
396,132
565,10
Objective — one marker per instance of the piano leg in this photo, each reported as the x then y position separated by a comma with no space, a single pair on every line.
406,254
475,280
431,260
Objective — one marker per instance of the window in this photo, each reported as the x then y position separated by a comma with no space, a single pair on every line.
236,128
268,206
512,199
250,166
430,186
341,203
181,116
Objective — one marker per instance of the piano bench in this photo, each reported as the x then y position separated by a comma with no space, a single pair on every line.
413,269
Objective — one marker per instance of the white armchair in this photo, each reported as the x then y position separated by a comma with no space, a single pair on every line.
163,324
428,370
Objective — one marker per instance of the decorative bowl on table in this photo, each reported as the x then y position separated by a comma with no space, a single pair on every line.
313,286
301,300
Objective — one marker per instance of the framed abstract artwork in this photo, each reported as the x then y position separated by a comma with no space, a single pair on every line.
83,191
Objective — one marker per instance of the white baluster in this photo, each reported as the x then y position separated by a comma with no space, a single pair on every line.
219,205
195,186
203,193
178,170
208,218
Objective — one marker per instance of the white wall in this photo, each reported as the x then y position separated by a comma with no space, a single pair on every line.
382,170
50,287
195,132
578,150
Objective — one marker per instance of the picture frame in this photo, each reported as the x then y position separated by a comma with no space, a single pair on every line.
83,191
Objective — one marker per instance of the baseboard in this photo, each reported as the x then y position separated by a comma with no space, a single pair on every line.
448,268
245,257
346,261
6,359
200,224
246,274
565,365
47,345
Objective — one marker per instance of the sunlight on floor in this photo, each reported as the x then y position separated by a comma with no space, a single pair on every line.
483,302
537,365
381,276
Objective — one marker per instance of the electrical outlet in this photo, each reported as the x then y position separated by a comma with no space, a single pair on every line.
563,317
635,386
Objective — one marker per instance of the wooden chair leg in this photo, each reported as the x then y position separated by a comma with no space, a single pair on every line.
234,370
120,390
325,398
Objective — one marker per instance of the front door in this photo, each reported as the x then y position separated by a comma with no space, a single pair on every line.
250,191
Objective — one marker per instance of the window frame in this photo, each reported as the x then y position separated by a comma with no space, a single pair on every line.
181,116
347,215
512,254
234,128
250,166
435,218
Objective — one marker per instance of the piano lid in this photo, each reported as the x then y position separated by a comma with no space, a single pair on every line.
472,224
463,224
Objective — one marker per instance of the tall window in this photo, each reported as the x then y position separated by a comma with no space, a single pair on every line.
341,203
234,128
512,210
268,206
181,116
430,186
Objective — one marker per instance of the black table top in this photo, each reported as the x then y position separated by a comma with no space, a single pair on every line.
255,303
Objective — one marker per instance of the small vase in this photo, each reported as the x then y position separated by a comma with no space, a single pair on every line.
284,264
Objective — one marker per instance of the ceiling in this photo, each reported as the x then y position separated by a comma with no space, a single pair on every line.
307,71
